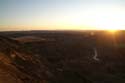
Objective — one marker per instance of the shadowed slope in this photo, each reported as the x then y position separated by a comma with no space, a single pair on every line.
17,64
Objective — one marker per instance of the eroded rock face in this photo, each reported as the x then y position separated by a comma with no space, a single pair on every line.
17,65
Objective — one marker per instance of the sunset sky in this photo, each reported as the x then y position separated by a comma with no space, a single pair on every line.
62,14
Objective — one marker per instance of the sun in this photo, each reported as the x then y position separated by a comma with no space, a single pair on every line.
112,31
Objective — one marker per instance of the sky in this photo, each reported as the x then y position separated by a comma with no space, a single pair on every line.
62,14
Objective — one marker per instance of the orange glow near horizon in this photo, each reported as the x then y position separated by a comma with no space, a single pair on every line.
52,27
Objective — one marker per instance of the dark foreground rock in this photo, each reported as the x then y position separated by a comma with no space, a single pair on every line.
62,58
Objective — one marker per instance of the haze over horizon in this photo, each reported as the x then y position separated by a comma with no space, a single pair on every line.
62,15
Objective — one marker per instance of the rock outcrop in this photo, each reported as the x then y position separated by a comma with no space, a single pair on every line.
18,65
